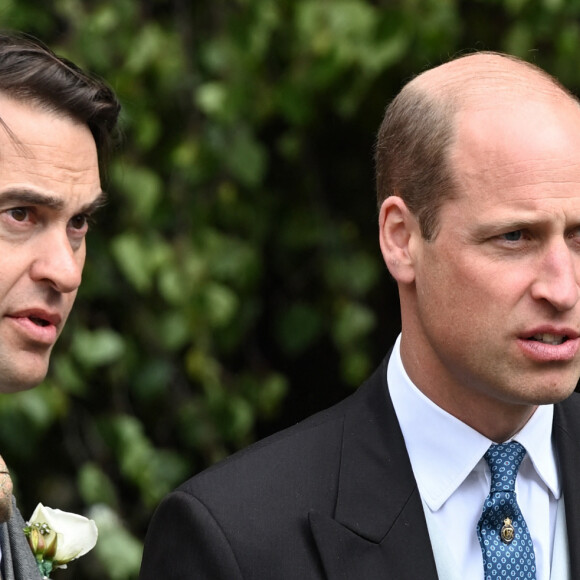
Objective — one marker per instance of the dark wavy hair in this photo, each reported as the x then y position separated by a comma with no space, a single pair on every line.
31,72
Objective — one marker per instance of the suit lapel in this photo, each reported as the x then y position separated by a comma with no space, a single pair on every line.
567,439
379,528
18,563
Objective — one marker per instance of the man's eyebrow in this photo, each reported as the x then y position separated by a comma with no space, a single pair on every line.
508,224
97,203
27,197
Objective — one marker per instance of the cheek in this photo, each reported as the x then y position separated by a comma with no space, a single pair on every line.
479,282
445,284
82,254
14,268
69,299
457,300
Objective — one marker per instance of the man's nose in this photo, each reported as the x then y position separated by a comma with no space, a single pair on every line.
58,263
557,277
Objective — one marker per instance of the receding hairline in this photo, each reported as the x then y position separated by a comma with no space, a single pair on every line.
419,129
472,80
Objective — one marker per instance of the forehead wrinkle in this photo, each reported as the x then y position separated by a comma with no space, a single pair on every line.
64,162
520,175
544,176
531,211
55,170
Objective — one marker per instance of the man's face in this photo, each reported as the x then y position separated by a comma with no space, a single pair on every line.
496,315
49,185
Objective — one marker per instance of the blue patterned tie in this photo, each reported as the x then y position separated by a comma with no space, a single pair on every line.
506,543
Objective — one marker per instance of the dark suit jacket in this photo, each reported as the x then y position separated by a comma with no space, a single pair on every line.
333,497
18,563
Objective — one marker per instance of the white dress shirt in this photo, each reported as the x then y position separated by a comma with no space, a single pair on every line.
454,479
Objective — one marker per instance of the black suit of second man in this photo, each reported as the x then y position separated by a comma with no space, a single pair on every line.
333,497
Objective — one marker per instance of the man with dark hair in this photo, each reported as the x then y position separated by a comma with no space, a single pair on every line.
458,458
56,122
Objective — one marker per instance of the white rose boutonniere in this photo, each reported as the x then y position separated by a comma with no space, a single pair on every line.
58,537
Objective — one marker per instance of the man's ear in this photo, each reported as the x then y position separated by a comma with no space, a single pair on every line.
398,232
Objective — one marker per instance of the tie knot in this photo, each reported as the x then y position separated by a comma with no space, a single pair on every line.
504,461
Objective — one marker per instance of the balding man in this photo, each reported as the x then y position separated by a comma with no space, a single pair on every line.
459,457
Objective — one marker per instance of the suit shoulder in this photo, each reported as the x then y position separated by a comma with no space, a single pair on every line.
279,460
250,514
304,458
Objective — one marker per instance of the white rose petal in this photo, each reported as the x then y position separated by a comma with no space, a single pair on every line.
76,534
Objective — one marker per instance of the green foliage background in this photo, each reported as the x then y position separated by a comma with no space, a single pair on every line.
234,283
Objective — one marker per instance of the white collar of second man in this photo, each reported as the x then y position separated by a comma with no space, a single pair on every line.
444,450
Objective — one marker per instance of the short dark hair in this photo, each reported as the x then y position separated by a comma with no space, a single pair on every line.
31,72
411,155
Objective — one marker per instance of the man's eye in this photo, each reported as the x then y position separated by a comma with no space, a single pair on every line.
19,214
514,236
79,222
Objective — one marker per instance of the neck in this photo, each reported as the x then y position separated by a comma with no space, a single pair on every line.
494,417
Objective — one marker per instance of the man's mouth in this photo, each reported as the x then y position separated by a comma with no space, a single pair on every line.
546,338
36,324
38,317
39,321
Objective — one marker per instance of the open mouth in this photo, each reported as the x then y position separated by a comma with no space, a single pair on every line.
554,339
39,321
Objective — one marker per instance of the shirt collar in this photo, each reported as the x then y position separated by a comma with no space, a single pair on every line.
439,463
